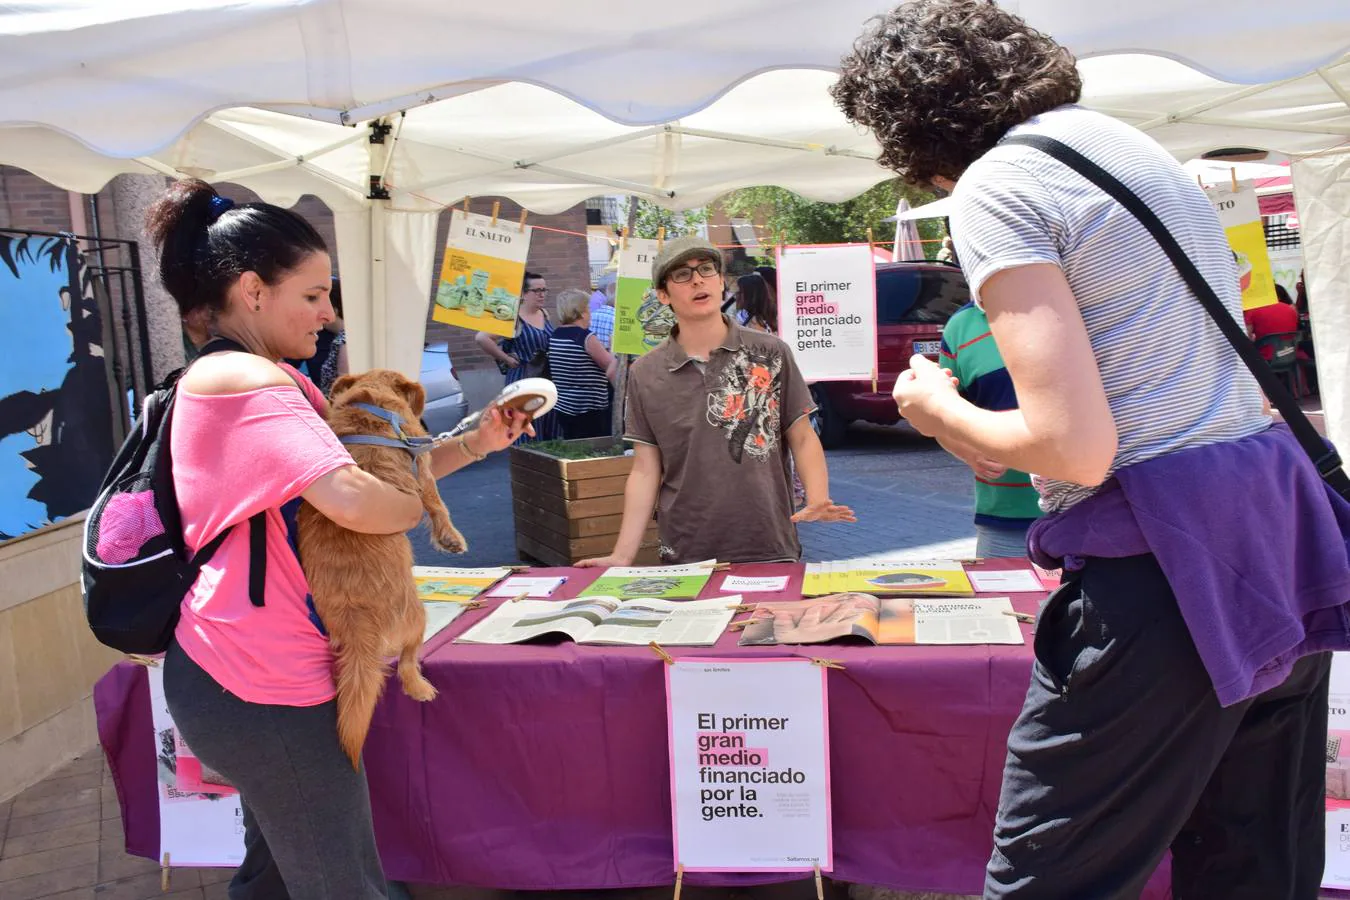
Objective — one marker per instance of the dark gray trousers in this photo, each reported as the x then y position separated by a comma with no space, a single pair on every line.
307,826
1122,751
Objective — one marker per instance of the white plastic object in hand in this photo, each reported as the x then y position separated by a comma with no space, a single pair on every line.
533,396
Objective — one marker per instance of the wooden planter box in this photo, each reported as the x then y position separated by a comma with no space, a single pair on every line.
569,509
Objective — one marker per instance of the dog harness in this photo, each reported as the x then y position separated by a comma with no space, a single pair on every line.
414,446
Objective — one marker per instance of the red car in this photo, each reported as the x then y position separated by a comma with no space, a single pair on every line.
914,301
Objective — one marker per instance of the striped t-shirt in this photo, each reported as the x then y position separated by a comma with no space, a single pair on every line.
968,349
1171,379
582,385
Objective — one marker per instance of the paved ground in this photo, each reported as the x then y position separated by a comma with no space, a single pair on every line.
910,497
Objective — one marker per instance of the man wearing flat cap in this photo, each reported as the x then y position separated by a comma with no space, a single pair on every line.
713,413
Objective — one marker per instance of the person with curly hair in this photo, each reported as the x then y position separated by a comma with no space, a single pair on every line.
1179,696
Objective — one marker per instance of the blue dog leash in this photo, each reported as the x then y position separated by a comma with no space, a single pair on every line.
413,446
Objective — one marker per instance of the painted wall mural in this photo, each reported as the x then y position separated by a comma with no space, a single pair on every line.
56,423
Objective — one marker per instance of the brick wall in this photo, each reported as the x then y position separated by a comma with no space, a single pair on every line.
28,203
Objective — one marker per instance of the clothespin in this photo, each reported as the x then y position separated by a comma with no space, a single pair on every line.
721,566
827,663
518,568
660,238
142,660
737,626
871,245
496,208
874,379
679,880
523,214
623,238
164,875
743,607
466,203
820,885
661,652
1232,171
519,597
1021,617
1200,180
971,559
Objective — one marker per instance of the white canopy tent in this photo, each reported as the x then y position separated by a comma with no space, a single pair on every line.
549,103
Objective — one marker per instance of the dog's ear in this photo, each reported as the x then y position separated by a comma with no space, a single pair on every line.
341,384
414,393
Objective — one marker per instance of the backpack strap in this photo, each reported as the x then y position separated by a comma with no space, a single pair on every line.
257,524
1323,455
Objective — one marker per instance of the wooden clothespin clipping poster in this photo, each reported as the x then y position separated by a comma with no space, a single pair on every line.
1199,179
1233,173
820,883
466,204
870,243
496,208
623,238
720,566
1028,618
519,597
661,652
164,875
827,663
738,626
523,214
874,379
142,660
660,239
679,880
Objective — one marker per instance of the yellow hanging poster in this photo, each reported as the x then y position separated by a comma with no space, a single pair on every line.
1240,216
482,273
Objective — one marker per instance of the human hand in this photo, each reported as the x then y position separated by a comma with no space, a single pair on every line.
511,362
922,391
498,429
604,562
986,468
824,511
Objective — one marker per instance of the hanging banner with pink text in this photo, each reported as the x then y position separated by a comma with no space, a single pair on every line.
827,310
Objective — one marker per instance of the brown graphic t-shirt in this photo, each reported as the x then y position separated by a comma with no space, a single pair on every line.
721,426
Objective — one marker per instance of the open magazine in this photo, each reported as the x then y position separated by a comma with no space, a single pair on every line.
607,620
888,620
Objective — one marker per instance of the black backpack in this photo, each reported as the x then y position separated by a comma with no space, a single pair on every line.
136,569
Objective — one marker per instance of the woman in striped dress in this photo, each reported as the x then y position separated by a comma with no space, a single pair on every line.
525,354
581,369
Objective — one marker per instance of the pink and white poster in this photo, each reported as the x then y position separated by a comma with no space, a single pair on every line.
827,310
749,765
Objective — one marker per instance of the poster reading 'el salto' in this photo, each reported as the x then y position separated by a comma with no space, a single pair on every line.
827,310
1240,216
641,320
482,273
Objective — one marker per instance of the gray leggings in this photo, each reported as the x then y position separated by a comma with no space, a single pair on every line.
307,827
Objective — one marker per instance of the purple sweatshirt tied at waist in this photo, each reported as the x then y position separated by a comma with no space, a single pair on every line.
1252,541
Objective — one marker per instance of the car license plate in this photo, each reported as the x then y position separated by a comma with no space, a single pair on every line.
928,348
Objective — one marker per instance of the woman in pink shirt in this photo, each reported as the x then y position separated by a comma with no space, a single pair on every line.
250,686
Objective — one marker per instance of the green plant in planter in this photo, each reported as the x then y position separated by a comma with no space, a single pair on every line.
569,450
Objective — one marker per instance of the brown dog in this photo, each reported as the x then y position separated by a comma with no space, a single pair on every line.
362,584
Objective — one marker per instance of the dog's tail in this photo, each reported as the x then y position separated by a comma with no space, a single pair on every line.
361,673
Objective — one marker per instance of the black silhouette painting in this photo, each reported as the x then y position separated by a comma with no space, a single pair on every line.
56,424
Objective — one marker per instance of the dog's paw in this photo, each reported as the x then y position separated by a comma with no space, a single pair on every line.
419,689
449,540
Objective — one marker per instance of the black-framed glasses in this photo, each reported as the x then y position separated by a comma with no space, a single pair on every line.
686,273
537,290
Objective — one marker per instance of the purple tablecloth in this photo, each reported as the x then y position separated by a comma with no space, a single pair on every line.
545,766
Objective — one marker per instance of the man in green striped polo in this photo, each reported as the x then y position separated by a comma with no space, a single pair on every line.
1006,503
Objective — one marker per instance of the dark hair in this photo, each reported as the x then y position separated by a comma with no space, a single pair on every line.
1282,295
770,275
203,251
335,296
756,300
940,82
529,276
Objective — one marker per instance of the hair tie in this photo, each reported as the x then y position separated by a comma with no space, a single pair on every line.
218,206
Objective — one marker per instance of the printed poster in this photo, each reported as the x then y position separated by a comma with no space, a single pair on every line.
641,320
749,765
200,820
482,274
1337,871
1240,216
827,310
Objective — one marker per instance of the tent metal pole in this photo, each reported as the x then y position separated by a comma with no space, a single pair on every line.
1186,113
596,145
1335,85
631,187
767,142
247,138
162,168
1329,129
